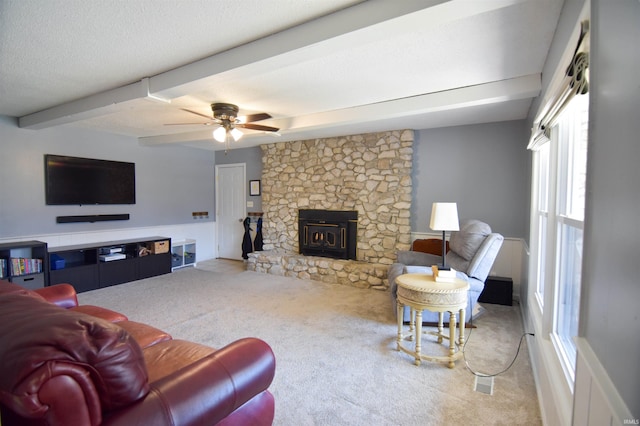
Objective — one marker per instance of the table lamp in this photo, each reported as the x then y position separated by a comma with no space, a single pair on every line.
444,217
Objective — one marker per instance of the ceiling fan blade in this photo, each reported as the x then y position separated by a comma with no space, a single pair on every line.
197,113
258,127
188,124
256,117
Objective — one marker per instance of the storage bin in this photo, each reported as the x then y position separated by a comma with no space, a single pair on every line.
189,258
176,260
159,247
57,262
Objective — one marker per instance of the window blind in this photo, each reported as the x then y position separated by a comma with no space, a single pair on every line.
574,82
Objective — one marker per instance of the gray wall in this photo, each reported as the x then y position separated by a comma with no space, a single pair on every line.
611,275
171,182
484,168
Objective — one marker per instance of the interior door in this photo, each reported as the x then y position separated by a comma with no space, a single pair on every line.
230,209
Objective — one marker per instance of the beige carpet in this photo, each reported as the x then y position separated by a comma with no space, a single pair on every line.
335,348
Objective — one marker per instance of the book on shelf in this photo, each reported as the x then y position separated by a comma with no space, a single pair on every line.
3,268
24,266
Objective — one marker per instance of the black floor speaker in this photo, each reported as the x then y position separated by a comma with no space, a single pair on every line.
497,290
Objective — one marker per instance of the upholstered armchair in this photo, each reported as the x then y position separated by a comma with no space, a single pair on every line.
472,252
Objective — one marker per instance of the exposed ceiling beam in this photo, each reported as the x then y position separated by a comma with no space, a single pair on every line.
466,97
365,22
88,107
301,42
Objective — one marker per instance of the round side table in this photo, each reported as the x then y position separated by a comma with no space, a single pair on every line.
422,291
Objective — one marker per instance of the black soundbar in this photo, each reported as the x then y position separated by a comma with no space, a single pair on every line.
92,218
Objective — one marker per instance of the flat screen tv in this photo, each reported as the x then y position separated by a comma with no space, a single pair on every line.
78,181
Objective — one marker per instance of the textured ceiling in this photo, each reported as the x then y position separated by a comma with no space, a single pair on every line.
319,67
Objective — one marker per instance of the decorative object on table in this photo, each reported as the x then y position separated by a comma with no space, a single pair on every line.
257,241
443,276
247,245
444,217
254,187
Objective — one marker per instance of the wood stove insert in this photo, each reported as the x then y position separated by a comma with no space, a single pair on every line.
328,233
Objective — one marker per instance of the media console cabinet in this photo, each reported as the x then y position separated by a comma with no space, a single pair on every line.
91,266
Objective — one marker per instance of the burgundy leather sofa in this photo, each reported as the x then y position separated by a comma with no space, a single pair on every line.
64,364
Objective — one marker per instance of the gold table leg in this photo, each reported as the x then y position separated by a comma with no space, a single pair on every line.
418,335
452,338
412,322
462,325
400,313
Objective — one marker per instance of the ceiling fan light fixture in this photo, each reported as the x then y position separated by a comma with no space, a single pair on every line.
220,134
236,134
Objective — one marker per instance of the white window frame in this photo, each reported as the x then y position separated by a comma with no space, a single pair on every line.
565,217
544,300
560,164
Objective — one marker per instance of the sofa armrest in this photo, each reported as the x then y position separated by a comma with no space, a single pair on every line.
475,285
63,295
206,391
395,270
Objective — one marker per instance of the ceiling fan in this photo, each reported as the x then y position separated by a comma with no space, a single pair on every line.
226,116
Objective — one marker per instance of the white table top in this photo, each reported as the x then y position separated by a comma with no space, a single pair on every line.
426,283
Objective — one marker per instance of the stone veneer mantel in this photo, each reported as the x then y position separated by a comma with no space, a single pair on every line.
369,173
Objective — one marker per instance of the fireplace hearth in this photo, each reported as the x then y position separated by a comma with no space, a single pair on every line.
328,233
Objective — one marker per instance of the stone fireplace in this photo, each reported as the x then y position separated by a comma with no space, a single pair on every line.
369,174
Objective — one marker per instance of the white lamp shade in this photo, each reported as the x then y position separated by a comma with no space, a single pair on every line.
444,217
236,134
220,134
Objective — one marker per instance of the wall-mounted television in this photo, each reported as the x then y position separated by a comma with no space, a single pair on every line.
78,181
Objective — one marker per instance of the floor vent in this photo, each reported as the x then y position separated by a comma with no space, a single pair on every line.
484,385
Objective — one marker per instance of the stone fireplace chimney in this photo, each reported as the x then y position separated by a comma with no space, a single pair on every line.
369,174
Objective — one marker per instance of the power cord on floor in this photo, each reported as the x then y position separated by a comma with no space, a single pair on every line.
475,373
